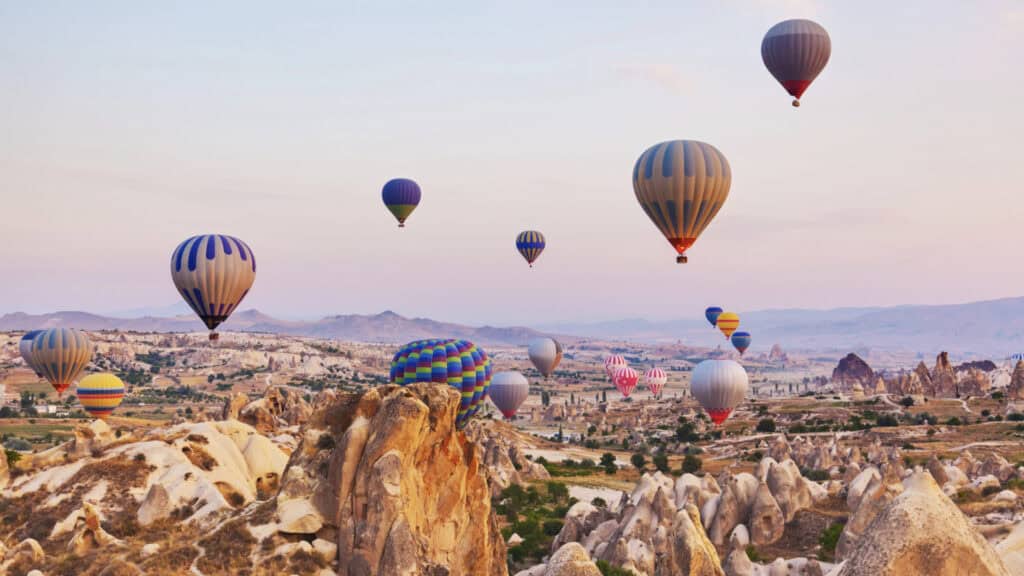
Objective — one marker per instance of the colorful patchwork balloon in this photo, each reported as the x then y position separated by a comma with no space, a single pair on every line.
458,363
213,273
681,185
61,354
100,394
530,244
401,196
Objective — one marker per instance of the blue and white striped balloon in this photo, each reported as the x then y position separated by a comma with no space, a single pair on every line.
213,273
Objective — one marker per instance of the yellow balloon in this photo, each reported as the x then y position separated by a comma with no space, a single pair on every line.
100,394
728,322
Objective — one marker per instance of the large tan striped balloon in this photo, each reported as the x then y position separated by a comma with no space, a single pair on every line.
681,185
61,354
213,273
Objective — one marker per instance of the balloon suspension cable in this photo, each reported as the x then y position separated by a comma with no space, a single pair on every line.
681,259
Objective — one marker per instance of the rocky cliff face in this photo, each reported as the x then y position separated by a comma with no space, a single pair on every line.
403,491
944,383
852,369
1015,391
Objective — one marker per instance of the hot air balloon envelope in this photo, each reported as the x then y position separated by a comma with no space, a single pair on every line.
728,322
712,314
613,363
545,353
741,341
719,385
457,363
795,52
61,354
625,380
681,185
25,349
401,196
213,273
508,391
655,378
100,394
530,244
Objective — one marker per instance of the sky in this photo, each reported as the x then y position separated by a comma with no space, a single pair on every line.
129,126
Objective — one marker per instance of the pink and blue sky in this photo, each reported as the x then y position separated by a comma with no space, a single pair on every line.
129,126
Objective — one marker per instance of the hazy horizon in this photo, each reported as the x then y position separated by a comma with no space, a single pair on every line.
130,127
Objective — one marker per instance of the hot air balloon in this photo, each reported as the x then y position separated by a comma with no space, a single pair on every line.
728,322
61,354
712,314
613,363
508,391
545,353
655,379
25,348
741,341
681,185
530,244
213,273
795,52
100,394
401,196
719,385
625,380
458,363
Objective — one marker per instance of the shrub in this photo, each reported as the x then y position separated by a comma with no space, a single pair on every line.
599,502
906,401
990,490
766,425
609,570
887,420
798,428
12,457
954,421
552,527
752,553
830,537
986,413
608,463
816,475
1015,417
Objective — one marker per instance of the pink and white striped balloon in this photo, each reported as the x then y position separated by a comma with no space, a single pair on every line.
613,363
625,380
655,379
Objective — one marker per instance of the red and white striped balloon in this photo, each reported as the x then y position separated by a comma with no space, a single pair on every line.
655,379
625,380
613,363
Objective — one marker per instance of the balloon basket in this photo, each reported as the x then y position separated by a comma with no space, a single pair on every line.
401,224
214,336
681,259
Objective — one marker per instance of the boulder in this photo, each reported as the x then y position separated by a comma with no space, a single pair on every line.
737,563
89,533
1015,391
922,532
852,369
280,407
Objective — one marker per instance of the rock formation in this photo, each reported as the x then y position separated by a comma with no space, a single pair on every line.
852,369
925,378
973,382
1015,391
504,453
776,354
280,407
233,405
922,532
402,489
944,384
569,560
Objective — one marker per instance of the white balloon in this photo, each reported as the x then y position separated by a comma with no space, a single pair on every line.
545,353
508,391
719,385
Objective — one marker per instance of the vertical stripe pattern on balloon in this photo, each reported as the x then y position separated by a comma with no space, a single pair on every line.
795,52
213,273
530,244
61,354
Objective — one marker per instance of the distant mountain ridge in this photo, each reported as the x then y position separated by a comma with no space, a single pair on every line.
987,329
387,327
990,328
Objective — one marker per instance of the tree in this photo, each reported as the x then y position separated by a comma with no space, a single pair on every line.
766,425
638,461
560,438
608,463
604,396
660,461
692,464
906,401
